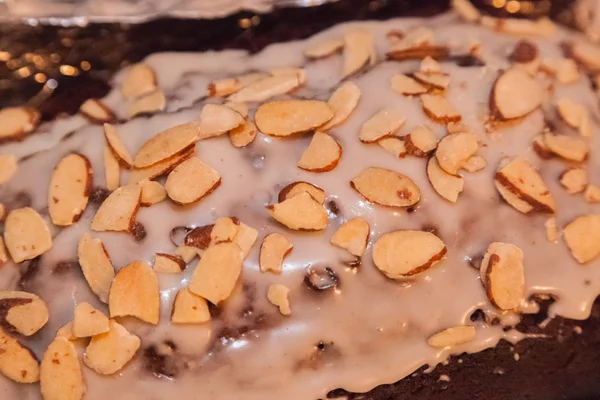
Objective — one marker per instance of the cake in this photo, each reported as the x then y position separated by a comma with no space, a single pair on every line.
329,213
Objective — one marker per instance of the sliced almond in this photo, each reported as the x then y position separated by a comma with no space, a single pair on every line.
515,94
96,111
278,296
149,103
186,253
358,49
66,331
244,134
567,147
216,119
295,188
275,247
539,146
240,108
162,167
299,72
574,180
342,102
61,377
394,145
474,164
26,234
322,154
386,188
586,53
433,80
229,86
189,308
572,112
383,124
439,109
152,193
418,52
17,362
16,122
245,238
166,144
454,150
117,213
3,253
404,253
502,275
266,88
324,48
457,127
112,171
564,69
551,230
430,66
109,352
224,230
446,185
22,312
353,236
69,189
466,9
3,212
139,80
301,212
583,238
585,128
134,292
8,167
407,86
592,194
168,264
199,237
217,272
191,180
87,321
286,117
420,142
96,266
452,336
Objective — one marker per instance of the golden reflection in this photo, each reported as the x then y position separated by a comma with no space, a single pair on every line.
39,77
68,70
499,3
86,66
4,56
24,72
513,6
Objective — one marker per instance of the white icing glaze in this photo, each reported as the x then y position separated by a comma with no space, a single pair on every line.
379,327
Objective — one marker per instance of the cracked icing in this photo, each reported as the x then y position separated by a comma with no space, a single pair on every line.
365,330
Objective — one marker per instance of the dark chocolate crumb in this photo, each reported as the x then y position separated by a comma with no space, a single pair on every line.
64,267
467,60
333,208
98,195
29,270
524,52
320,278
138,231
355,262
161,365
431,229
411,209
478,315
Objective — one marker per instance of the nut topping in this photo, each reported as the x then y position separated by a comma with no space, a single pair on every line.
295,188
278,296
26,234
61,377
117,213
140,80
383,124
301,212
190,181
502,275
452,336
583,238
446,185
352,236
96,111
69,190
168,264
17,362
96,266
286,117
515,94
274,249
189,308
407,86
134,292
387,188
22,312
342,102
8,167
108,353
87,321
216,119
454,150
439,109
322,155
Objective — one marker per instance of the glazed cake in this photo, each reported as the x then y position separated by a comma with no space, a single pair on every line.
329,213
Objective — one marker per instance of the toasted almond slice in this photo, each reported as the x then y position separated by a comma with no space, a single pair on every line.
574,180
112,171
66,331
381,125
446,185
301,212
216,119
295,188
162,167
430,66
418,52
439,109
433,80
567,72
275,247
585,128
96,111
199,237
285,117
583,238
168,264
474,164
134,292
3,212
394,145
387,188
189,308
8,167
416,37
407,86
117,213
539,146
191,180
217,272
454,150
358,49
567,147
515,94
152,193
502,275
60,372
140,80
69,189
342,102
278,296
149,103
353,236
87,321
244,134
109,352
592,193
572,112
3,253
420,141
324,48
404,253
466,9
245,238
17,362
322,154
240,108
186,253
551,230
299,72
229,86
16,122
166,144
22,312
224,230
96,266
457,127
452,336
266,88
26,234
586,53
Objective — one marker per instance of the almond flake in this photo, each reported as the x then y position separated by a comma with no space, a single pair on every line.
592,194
515,94
186,253
16,122
353,236
266,88
8,167
134,292
3,253
3,212
278,296
567,147
567,72
551,230
583,238
216,119
454,150
168,264
387,188
324,48
224,230
585,53
466,9
502,275
342,102
152,193
439,109
96,111
199,237
572,112
299,72
295,188
66,331
109,352
358,49
457,127
286,117
430,66
301,212
61,377
574,180
245,238
22,312
381,125
433,80
189,308
243,135
162,167
112,170
407,86
539,146
139,80
275,247
69,189
404,253
191,180
240,108
117,213
26,234
420,141
419,52
474,164
229,86
166,144
446,185
394,145
452,336
17,362
96,266
417,37
217,272
87,321
322,154
149,103
585,128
